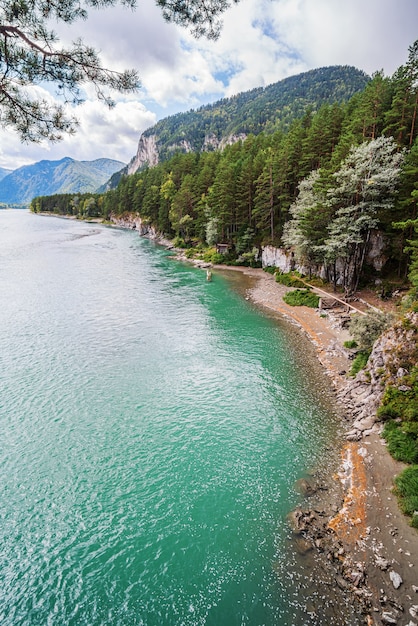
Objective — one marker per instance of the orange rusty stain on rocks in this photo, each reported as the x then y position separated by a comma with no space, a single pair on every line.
350,522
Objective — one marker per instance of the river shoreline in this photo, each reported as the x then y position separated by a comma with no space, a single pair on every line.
352,532
357,527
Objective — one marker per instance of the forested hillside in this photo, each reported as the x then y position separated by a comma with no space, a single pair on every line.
267,109
322,187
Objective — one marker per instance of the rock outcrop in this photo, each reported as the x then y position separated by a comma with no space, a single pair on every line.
146,154
386,366
134,222
286,261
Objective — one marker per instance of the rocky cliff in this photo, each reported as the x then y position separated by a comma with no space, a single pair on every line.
284,259
146,154
392,356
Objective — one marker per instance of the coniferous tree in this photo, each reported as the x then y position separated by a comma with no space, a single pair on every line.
306,230
30,55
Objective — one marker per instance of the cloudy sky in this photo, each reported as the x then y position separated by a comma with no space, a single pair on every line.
262,41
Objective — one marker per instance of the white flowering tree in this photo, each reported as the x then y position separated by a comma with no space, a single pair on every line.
365,187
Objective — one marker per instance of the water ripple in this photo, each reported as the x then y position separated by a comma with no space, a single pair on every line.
152,426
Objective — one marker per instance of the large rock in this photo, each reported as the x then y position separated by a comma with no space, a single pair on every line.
364,394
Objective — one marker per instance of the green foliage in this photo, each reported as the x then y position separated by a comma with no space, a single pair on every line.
202,17
79,204
211,256
302,297
178,242
365,329
402,441
359,362
270,269
350,344
407,492
30,54
289,280
401,400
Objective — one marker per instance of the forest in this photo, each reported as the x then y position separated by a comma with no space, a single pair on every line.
320,188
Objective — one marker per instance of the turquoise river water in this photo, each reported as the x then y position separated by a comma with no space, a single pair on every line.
152,428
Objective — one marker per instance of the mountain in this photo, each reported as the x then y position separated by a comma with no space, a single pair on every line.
266,109
4,172
50,177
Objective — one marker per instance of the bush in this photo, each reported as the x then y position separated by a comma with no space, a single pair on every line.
178,242
360,362
402,442
302,297
211,256
365,329
289,280
402,404
270,269
407,492
350,344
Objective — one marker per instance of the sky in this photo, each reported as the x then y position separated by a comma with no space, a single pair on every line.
262,41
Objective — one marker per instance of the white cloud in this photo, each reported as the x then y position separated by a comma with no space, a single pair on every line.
102,132
369,34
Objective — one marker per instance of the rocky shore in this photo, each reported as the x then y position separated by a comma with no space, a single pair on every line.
352,526
349,534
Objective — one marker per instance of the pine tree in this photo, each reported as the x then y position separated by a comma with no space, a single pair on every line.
306,231
30,55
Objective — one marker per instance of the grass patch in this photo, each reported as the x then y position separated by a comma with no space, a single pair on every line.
359,362
350,344
289,280
401,403
407,491
302,297
402,440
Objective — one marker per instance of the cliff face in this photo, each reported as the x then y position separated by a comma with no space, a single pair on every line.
285,261
134,222
147,154
392,353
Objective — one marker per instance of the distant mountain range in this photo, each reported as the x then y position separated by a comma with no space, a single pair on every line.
4,172
266,109
51,177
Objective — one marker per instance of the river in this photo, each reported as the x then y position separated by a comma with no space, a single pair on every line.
153,425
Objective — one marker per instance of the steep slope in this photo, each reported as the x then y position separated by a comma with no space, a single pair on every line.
49,177
4,172
263,109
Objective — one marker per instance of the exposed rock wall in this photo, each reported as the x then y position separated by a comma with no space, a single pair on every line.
146,154
386,366
134,222
286,262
